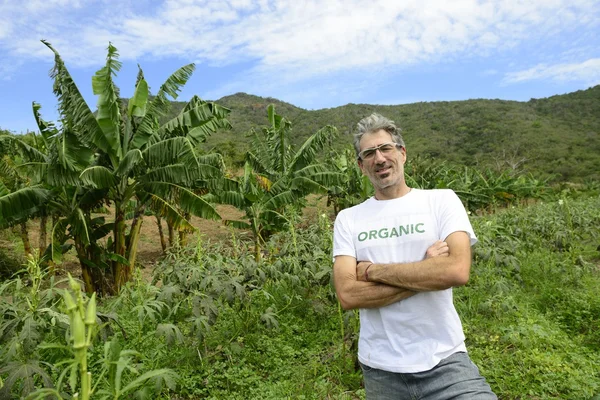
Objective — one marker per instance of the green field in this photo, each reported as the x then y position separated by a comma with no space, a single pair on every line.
202,260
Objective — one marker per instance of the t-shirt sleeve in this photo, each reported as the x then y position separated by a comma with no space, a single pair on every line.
453,216
343,245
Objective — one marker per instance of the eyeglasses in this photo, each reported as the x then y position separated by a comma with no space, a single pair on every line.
384,148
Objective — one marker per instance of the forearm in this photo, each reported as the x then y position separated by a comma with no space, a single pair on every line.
430,274
446,264
359,294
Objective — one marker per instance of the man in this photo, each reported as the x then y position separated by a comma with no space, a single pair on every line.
397,257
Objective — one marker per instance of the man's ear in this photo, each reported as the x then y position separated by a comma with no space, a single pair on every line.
360,165
403,152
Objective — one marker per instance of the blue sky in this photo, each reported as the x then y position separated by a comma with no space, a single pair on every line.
314,53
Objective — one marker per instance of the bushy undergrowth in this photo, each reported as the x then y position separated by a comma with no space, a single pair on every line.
231,327
9,265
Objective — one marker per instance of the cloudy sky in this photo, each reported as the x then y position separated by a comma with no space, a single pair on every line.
314,53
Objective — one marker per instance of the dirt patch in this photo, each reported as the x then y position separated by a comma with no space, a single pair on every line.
149,247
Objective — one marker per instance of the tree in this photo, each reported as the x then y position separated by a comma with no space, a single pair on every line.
275,176
354,188
21,195
122,157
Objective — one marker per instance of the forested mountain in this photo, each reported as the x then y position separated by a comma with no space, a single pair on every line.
556,137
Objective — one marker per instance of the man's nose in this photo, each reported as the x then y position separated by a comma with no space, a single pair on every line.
379,158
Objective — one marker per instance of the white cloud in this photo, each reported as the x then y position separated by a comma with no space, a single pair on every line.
587,71
299,32
291,39
5,28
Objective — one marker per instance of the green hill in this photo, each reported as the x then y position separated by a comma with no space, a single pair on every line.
556,137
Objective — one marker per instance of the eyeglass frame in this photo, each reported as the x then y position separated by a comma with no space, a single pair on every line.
376,148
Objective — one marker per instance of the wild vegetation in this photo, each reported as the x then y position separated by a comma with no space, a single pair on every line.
228,326
256,316
556,138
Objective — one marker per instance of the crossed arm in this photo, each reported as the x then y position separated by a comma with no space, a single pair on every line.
446,264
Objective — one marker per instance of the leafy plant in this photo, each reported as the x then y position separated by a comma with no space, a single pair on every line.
277,175
119,154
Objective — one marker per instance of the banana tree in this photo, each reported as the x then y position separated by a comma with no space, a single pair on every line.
276,176
19,199
134,158
355,187
49,159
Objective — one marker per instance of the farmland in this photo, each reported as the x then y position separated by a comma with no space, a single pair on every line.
231,327
139,260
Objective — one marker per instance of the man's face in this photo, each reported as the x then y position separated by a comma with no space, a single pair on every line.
383,170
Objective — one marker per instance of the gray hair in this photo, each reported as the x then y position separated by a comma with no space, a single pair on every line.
373,123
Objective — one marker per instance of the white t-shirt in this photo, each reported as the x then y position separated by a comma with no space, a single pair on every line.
415,334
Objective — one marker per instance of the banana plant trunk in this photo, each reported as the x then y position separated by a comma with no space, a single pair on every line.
183,235
51,264
133,241
119,269
43,238
161,234
25,238
171,234
89,283
256,249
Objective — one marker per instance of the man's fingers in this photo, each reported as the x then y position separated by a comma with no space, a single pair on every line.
361,268
439,248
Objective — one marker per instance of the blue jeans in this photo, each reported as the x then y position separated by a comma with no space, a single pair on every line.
455,377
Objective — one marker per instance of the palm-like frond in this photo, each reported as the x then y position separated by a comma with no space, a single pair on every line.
277,136
137,104
177,173
185,199
80,227
197,122
129,162
73,108
176,150
281,200
196,205
98,177
66,158
47,129
235,199
21,204
170,214
307,154
28,152
37,152
321,174
212,159
70,153
109,114
160,104
8,172
205,173
259,164
59,176
307,185
175,82
58,238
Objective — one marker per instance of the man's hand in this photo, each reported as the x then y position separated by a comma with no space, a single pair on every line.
361,270
438,249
